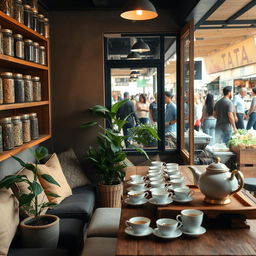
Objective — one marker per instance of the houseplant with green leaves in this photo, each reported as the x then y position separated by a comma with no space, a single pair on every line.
108,156
37,225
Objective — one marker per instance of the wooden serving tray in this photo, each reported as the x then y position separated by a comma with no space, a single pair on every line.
241,204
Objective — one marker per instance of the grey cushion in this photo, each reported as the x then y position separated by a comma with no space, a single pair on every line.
104,222
99,246
80,205
38,252
250,184
72,170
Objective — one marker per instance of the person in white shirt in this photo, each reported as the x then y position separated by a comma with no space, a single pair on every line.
239,110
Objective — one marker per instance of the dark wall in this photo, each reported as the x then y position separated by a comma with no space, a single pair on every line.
77,68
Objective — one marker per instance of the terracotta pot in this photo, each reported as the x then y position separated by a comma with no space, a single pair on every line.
40,236
110,195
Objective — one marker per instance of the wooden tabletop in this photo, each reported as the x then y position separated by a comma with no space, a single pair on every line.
216,241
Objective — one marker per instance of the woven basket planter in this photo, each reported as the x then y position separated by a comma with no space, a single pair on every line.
110,195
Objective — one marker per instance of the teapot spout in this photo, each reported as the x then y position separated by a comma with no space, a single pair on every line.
196,174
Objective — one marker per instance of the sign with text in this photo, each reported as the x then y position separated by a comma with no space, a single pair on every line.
237,55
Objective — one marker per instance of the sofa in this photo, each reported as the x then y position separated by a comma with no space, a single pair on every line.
74,211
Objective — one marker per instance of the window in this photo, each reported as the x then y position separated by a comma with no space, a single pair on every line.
142,68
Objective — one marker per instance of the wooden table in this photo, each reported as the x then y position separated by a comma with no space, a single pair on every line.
216,241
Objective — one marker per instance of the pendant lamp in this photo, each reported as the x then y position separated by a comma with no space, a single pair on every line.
139,10
133,56
140,46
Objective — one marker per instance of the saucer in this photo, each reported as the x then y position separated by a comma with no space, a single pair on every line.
152,201
141,202
130,232
143,190
186,200
176,234
200,232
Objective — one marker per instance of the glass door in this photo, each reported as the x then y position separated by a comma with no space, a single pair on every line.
187,92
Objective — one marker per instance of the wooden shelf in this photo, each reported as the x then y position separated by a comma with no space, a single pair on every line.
23,105
18,63
10,23
7,154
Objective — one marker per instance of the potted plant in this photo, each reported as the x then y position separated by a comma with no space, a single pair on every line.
38,230
108,156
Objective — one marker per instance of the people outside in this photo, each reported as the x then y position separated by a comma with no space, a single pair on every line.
153,109
170,113
143,109
252,112
224,113
239,108
127,109
197,112
207,120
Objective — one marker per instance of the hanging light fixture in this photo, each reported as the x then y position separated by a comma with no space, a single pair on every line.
139,10
133,56
134,73
140,46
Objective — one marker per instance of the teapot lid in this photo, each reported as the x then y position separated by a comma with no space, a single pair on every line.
217,166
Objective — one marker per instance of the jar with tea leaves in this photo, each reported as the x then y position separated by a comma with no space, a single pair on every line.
1,91
8,44
1,139
28,84
27,15
7,133
35,20
1,40
36,52
41,24
18,46
46,28
29,50
8,87
37,96
19,88
17,131
42,55
6,6
34,126
18,11
26,127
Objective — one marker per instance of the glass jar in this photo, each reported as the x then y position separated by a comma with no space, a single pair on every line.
37,95
41,24
17,131
29,50
8,45
35,19
28,85
19,88
18,46
6,6
18,11
34,126
27,15
1,139
1,91
26,128
36,52
7,133
42,55
46,28
8,88
1,41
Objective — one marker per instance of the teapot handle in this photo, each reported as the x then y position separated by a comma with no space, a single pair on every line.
240,178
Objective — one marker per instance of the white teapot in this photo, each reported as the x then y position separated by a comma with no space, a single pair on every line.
217,183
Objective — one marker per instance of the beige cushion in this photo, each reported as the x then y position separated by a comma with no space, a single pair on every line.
9,219
72,169
100,246
104,222
52,167
22,188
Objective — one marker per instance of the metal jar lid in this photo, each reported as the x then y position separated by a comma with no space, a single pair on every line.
34,10
36,78
40,16
28,77
42,47
46,20
28,41
7,74
14,118
36,44
18,36
6,31
33,115
17,75
27,7
18,1
5,120
25,116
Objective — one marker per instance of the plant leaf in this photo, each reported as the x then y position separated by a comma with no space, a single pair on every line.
50,179
52,194
117,105
89,124
9,180
35,188
26,199
41,153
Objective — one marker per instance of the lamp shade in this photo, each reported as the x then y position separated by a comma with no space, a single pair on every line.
139,10
140,46
134,73
133,56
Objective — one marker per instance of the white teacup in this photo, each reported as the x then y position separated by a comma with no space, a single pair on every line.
136,196
138,224
155,168
158,190
176,176
183,193
172,172
157,184
168,226
191,219
161,197
138,186
177,183
157,163
173,166
156,178
137,178
154,174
